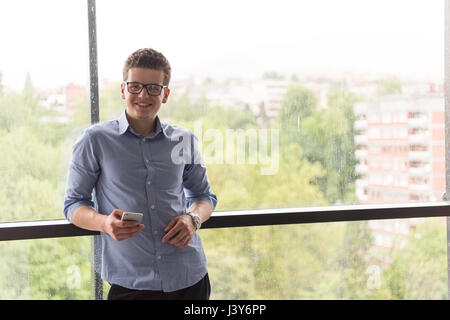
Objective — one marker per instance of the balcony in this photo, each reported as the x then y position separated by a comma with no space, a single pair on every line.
420,122
422,156
361,154
361,139
360,184
422,171
419,188
361,168
419,139
362,196
360,124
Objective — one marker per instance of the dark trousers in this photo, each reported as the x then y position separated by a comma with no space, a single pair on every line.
199,291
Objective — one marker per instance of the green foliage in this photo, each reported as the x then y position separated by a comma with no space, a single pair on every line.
299,103
68,278
326,136
419,270
313,261
13,111
34,144
180,108
353,261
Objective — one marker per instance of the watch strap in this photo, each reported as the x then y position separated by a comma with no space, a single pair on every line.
195,219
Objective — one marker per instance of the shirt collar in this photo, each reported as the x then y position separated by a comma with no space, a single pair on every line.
124,124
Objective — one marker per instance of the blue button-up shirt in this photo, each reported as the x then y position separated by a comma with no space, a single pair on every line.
160,175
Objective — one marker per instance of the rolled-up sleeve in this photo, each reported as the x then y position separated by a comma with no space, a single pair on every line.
195,180
83,173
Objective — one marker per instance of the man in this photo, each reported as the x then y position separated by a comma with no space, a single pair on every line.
135,164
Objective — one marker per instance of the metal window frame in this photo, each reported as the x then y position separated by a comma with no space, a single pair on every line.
97,288
447,124
27,230
10,231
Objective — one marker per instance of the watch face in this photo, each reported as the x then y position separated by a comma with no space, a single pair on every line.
196,219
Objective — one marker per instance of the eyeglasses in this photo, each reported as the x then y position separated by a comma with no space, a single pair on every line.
152,88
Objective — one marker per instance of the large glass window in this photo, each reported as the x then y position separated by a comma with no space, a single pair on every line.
305,103
300,103
343,260
46,269
295,104
43,105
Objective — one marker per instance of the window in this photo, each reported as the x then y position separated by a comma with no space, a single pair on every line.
43,103
306,111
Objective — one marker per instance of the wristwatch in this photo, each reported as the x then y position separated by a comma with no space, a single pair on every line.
195,219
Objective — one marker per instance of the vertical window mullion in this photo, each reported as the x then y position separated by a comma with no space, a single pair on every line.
97,284
447,122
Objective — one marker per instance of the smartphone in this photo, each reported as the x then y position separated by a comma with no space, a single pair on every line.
135,216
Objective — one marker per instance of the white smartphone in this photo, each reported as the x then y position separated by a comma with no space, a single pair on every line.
135,216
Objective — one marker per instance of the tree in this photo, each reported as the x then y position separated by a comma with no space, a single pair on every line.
181,108
353,260
326,136
419,270
30,96
298,103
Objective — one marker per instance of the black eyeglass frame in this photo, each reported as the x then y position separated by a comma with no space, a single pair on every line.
146,86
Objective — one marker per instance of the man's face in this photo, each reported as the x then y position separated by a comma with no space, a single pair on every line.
143,106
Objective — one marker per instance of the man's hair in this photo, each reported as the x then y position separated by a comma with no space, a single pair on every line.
149,59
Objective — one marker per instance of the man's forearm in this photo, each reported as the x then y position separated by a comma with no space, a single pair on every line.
202,209
87,218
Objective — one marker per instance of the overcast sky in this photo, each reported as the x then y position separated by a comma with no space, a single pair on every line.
48,38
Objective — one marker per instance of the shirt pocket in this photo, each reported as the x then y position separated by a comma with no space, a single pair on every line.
167,176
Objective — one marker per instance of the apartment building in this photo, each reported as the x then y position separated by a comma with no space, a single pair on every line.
401,153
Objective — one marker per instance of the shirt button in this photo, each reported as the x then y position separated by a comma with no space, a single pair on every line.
148,182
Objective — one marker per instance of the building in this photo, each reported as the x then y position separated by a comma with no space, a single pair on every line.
262,95
63,98
72,93
401,153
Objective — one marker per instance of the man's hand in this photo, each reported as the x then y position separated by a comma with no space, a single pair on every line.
120,230
179,231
